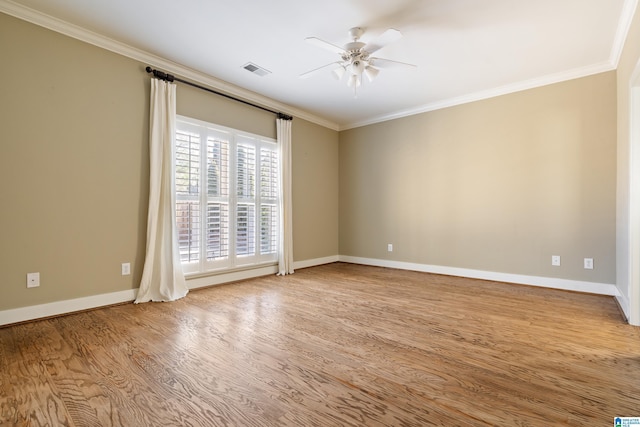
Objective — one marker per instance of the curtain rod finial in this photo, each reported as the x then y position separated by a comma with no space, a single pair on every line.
160,75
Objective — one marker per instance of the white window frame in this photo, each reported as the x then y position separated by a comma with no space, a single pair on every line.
266,250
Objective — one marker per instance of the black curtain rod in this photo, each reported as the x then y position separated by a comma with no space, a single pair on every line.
171,78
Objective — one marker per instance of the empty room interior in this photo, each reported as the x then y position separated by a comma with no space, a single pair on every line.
368,213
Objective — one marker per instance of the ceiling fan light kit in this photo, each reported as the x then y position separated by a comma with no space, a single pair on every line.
356,58
371,72
339,72
354,81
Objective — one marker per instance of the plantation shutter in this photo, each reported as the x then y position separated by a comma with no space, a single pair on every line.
217,232
268,200
245,208
227,197
187,185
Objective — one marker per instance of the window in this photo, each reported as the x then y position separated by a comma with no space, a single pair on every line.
226,185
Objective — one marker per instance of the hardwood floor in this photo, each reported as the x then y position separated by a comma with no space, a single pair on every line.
332,345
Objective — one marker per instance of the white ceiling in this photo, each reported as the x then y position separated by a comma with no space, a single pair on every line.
464,49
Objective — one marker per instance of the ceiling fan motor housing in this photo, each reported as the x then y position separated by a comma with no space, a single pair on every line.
354,55
355,33
354,46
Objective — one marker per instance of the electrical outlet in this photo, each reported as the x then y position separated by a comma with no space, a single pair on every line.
555,260
390,247
33,280
588,263
126,268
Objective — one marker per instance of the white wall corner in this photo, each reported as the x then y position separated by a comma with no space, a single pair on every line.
623,302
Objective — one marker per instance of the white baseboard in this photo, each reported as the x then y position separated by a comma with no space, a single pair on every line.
40,311
57,308
623,302
218,279
233,276
316,261
546,282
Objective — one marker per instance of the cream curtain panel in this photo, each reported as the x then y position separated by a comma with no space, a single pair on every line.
162,277
285,260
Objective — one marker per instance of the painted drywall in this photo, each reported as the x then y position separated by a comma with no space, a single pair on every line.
628,274
314,191
74,166
497,185
202,105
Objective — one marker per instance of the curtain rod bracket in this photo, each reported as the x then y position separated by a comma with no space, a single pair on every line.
160,75
285,116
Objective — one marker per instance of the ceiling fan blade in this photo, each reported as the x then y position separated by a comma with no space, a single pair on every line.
389,63
382,40
317,70
325,45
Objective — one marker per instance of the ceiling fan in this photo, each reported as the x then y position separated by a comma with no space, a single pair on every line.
355,57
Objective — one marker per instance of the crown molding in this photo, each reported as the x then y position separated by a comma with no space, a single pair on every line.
491,93
626,17
624,24
30,15
54,24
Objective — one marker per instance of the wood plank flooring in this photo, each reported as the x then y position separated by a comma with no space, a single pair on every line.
334,345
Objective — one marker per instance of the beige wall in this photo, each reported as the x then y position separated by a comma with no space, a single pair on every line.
628,285
498,185
202,105
315,191
74,166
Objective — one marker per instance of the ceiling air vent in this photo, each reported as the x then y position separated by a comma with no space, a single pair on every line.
255,69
